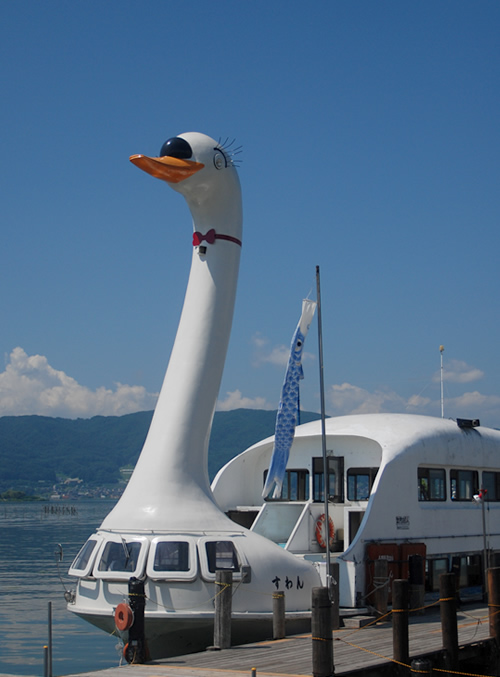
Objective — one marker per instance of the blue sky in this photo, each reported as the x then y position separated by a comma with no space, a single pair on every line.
370,148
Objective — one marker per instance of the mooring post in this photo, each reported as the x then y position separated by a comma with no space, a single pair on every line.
381,583
494,603
420,667
45,661
223,603
321,629
279,615
49,643
400,637
136,650
334,579
448,607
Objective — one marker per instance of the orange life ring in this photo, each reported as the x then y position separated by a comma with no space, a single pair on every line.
320,531
124,616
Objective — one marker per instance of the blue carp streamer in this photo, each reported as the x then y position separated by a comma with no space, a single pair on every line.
288,410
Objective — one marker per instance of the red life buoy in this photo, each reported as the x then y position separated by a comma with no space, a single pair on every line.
124,616
320,531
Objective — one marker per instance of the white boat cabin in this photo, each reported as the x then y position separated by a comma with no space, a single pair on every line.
398,485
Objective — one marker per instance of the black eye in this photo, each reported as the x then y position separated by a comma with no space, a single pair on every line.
220,160
176,147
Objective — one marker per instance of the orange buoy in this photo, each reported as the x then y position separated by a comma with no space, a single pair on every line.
124,616
320,531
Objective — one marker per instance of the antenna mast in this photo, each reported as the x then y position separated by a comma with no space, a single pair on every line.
441,350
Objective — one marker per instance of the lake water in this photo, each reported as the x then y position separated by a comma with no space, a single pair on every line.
29,580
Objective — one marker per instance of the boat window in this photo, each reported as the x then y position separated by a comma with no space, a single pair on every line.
463,484
335,469
121,556
82,564
431,484
221,555
171,556
359,483
172,559
491,482
295,486
82,559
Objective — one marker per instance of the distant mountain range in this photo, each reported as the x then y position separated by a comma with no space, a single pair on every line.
40,448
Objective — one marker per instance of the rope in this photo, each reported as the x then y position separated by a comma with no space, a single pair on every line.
393,660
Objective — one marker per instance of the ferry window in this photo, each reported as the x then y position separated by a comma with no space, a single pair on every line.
120,556
463,484
171,556
82,559
436,568
431,484
468,569
335,469
491,482
295,486
221,555
359,483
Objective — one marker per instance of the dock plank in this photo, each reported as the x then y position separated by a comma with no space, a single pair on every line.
354,649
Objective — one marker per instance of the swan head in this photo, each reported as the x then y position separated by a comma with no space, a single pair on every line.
202,170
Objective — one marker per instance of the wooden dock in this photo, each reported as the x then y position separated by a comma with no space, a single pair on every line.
367,649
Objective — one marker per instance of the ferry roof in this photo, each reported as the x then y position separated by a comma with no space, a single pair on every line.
394,432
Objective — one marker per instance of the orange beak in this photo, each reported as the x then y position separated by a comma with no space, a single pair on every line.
167,168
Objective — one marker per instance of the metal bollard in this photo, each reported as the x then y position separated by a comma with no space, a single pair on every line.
45,661
421,666
49,643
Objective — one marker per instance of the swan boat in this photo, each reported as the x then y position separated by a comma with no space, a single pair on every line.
399,486
167,529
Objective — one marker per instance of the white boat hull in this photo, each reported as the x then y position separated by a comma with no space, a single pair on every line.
193,632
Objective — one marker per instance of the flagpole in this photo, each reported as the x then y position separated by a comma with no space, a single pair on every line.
441,350
323,435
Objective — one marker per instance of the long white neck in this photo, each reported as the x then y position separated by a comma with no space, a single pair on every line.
170,488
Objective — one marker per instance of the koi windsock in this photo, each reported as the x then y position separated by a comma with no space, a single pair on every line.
287,417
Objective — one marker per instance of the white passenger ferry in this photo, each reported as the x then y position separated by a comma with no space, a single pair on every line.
398,485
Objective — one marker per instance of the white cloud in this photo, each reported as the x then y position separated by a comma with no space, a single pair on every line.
418,402
235,400
259,341
457,371
350,399
30,385
277,355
